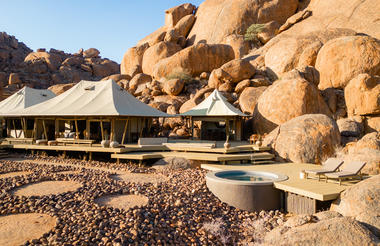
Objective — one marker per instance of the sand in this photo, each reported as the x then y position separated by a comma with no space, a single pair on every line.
122,201
46,188
140,178
13,174
16,229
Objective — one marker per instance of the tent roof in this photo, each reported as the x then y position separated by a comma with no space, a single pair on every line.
93,98
24,98
214,105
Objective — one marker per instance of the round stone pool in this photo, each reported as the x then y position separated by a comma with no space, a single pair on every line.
247,190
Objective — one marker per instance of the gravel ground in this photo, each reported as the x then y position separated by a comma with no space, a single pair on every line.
180,210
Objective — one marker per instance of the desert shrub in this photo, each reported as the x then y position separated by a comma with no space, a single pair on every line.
252,31
218,229
180,75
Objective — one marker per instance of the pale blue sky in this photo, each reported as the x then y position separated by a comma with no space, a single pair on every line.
111,26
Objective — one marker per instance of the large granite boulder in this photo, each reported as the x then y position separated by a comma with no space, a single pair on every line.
308,138
175,14
194,60
132,60
342,59
217,19
60,88
248,98
323,228
286,52
156,53
362,95
285,100
361,201
38,59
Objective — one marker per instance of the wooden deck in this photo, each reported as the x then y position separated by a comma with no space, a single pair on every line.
79,148
311,188
216,157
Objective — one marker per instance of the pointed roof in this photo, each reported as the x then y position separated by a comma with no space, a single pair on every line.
24,98
214,105
94,98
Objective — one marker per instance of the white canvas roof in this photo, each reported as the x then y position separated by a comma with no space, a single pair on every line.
214,105
24,98
93,98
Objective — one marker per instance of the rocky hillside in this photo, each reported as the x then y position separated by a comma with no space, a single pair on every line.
20,66
287,63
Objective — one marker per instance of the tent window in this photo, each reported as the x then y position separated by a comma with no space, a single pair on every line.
44,95
90,88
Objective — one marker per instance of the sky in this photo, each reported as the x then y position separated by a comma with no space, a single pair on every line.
111,26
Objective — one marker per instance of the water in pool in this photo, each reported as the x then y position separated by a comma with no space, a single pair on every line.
241,177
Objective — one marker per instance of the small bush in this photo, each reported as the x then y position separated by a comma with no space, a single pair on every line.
218,229
252,31
180,75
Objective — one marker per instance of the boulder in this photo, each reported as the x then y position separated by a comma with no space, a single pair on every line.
226,87
155,37
217,19
361,201
372,124
301,15
268,31
184,26
350,127
60,88
73,61
287,99
187,106
333,231
240,46
52,61
91,53
242,85
132,60
173,86
175,14
237,70
342,59
105,68
139,79
117,77
249,97
308,138
286,52
156,53
194,60
14,78
3,79
362,95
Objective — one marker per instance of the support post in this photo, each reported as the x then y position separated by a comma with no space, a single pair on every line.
192,127
112,136
125,131
14,128
45,132
88,134
56,128
76,129
34,134
102,129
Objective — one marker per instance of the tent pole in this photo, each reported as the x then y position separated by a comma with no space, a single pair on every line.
142,127
101,128
44,126
34,134
125,130
23,125
76,129
192,127
227,130
14,128
56,128
112,137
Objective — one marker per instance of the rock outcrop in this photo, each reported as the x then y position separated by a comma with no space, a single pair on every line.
248,98
362,95
194,60
342,59
361,201
132,60
285,100
324,228
308,138
217,19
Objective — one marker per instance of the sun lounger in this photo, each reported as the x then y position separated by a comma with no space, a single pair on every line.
351,170
329,166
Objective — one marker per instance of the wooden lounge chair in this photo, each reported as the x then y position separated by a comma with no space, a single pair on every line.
351,170
329,166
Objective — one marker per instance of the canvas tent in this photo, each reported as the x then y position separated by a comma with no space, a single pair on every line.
22,99
92,105
219,119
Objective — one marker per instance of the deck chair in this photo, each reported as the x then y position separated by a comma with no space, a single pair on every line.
329,166
351,170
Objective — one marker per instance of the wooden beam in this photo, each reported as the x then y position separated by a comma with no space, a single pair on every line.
112,136
14,128
125,131
76,128
142,127
88,129
102,129
34,134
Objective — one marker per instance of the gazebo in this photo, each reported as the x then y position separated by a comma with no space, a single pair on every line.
20,127
219,119
92,110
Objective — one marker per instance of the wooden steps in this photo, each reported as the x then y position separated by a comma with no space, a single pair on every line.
3,154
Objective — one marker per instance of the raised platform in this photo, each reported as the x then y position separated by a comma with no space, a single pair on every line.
79,148
311,188
216,157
